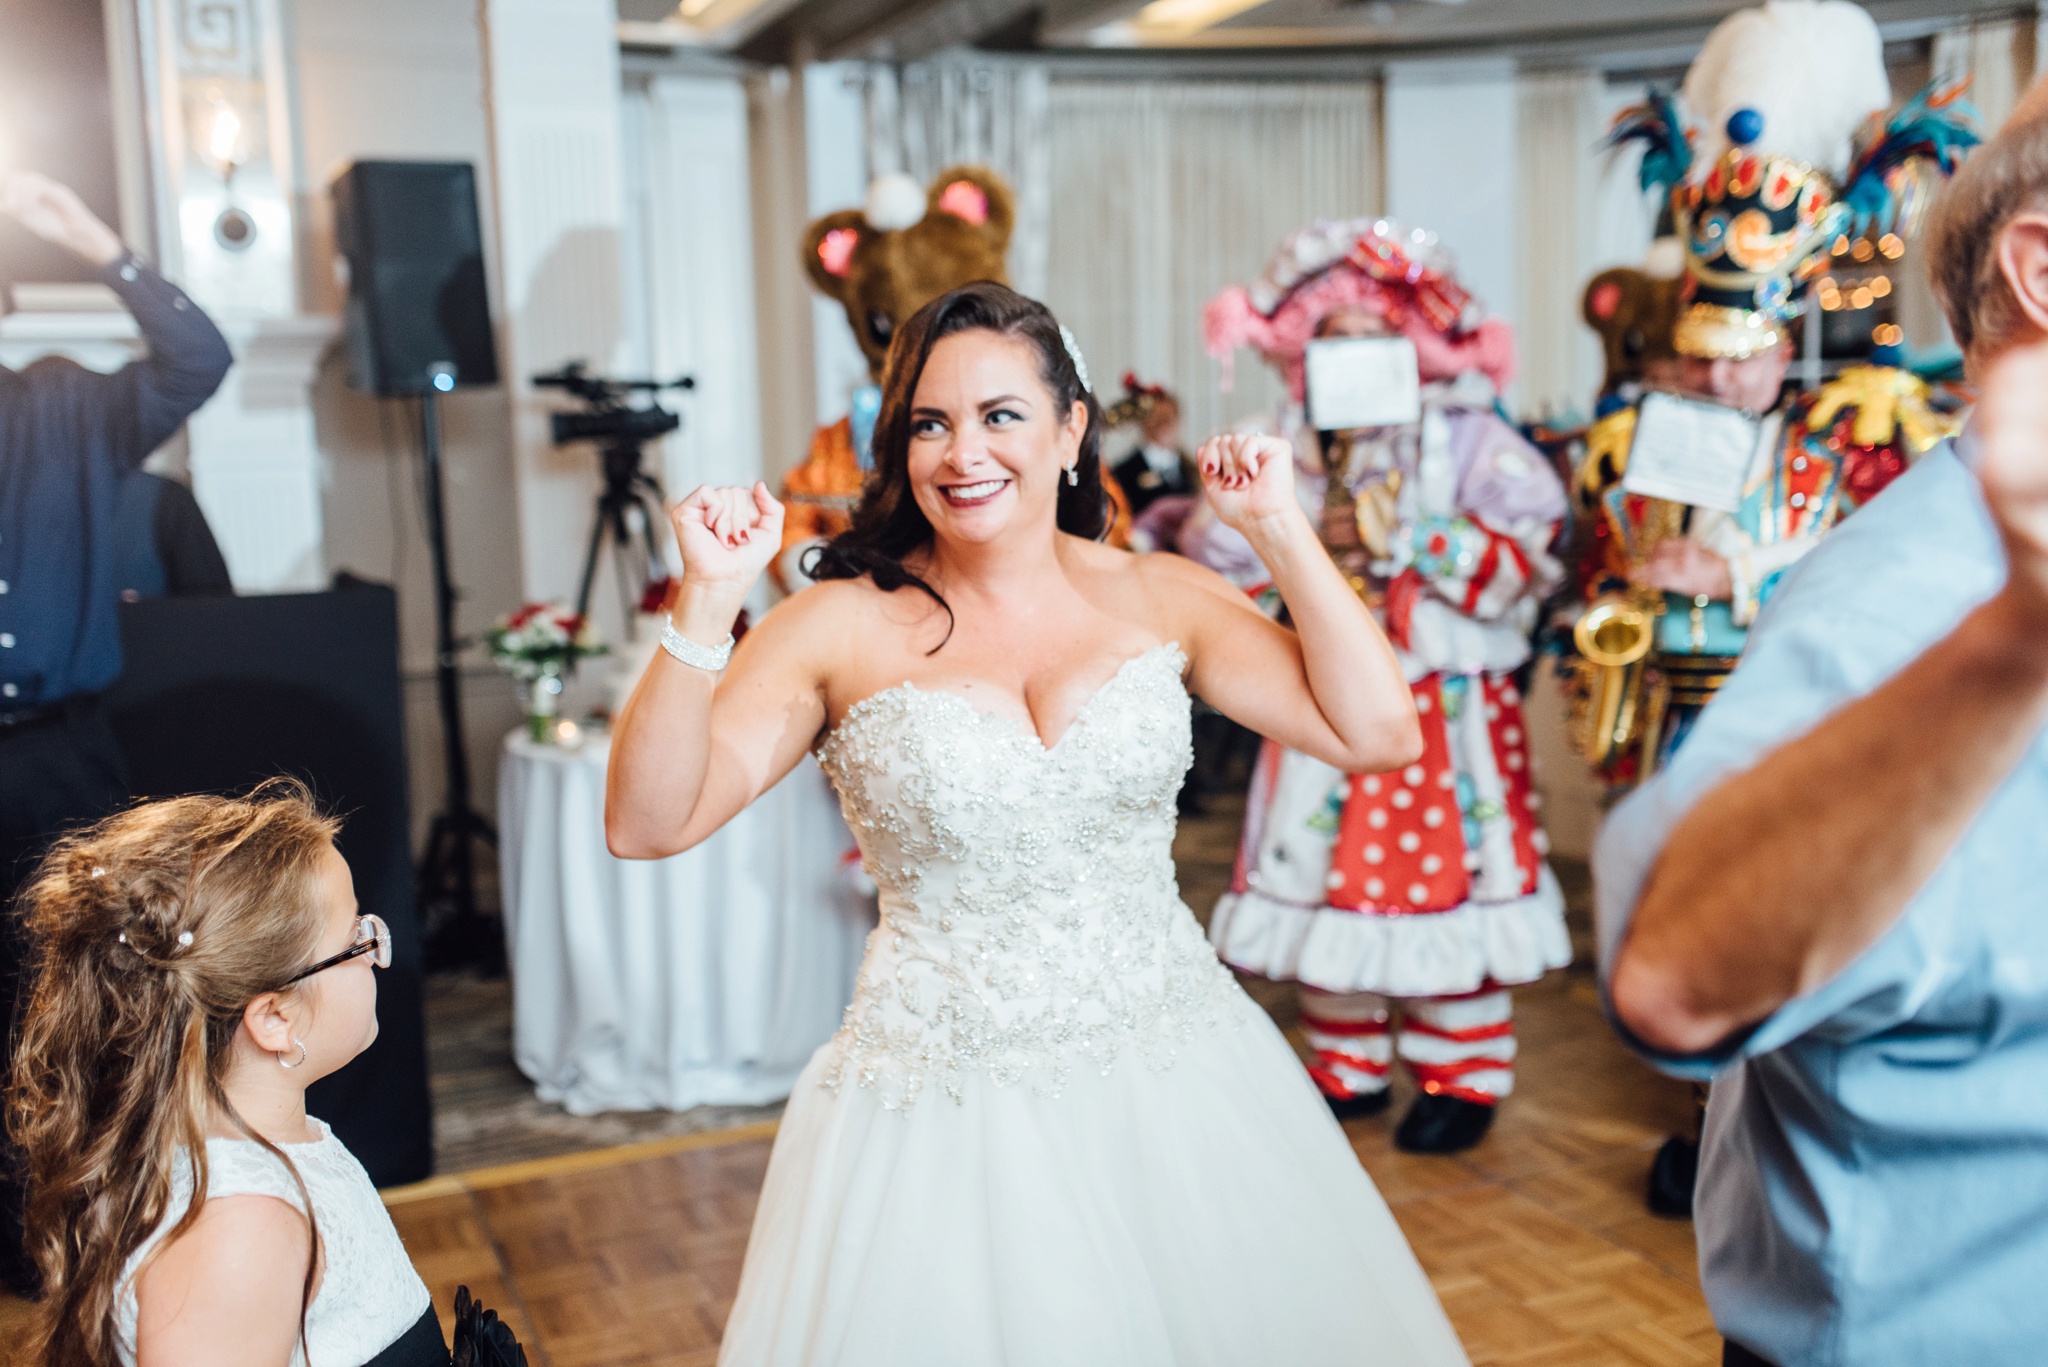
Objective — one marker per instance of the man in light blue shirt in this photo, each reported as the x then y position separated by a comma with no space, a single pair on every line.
1834,901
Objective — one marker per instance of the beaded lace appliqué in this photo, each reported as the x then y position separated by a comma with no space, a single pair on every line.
1030,915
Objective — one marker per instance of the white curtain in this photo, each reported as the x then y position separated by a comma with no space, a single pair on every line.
967,108
1561,171
1997,58
1163,192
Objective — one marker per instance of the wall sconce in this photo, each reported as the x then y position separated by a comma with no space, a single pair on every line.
224,140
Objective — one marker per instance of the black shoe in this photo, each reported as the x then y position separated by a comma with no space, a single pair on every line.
1359,1106
1442,1124
1673,1174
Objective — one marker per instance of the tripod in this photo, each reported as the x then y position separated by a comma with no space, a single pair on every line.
455,931
628,490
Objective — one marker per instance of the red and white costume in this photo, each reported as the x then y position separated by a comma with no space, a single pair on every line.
1425,886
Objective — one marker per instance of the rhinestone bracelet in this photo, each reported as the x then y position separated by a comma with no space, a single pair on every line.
708,658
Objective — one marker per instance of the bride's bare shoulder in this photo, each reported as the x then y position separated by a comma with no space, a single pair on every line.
834,613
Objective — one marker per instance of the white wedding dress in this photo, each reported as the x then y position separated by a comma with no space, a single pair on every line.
1052,1129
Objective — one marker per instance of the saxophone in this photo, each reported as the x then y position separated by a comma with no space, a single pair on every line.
1612,708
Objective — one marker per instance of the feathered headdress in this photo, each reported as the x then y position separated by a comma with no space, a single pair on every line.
1775,147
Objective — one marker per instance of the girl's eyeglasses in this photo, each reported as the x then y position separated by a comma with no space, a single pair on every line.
373,938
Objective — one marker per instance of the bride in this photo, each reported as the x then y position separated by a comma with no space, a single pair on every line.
1052,1129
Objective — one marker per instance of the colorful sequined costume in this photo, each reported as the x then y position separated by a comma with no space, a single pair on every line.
1425,888
1824,454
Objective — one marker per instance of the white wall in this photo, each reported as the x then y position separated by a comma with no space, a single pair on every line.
553,99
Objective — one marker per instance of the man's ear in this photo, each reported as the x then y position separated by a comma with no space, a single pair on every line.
829,245
2023,261
268,1023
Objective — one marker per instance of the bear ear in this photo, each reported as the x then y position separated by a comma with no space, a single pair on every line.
977,197
1611,297
829,245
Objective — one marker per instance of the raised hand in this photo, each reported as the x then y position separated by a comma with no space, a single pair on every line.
727,536
2011,425
53,212
1248,479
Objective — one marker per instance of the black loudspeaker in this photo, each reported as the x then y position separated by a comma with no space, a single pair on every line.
416,294
218,694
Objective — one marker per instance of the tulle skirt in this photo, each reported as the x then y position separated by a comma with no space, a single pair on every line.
1208,1214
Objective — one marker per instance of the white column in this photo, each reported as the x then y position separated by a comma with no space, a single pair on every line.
836,165
553,97
1452,149
216,78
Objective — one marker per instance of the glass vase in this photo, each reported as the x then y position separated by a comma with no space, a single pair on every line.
543,701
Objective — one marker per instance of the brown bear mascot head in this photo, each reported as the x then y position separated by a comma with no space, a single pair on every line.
908,247
1634,311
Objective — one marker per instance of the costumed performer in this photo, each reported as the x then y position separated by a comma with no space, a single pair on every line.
1424,888
1773,158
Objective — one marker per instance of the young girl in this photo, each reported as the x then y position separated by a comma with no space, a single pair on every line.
198,963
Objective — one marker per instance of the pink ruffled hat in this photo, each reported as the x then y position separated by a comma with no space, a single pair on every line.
1402,274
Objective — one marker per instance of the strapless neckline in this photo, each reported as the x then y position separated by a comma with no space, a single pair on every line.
1021,725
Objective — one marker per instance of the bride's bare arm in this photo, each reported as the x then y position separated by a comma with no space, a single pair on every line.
1332,687
691,748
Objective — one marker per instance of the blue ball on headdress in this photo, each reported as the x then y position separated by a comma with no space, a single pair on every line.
1745,126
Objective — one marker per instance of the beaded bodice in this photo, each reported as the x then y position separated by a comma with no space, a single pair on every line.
1030,918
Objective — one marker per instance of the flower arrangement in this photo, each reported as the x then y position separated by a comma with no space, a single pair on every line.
537,645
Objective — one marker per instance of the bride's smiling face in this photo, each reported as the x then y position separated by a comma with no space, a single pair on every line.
988,444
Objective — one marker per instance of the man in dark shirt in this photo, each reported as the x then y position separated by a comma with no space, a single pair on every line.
68,438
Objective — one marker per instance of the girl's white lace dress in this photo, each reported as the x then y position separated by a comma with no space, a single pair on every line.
1052,1129
369,1294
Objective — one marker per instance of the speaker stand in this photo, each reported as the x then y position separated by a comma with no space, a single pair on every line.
455,932
627,487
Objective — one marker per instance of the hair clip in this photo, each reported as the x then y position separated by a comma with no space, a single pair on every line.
98,872
185,938
122,937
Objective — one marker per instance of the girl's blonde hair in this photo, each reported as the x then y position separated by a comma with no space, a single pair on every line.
150,934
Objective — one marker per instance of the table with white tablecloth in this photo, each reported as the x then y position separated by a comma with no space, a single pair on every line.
706,978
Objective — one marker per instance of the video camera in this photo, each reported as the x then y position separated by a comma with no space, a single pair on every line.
610,420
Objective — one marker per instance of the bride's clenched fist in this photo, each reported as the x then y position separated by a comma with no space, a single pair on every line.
727,536
1248,479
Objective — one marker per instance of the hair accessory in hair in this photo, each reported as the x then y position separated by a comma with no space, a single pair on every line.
1074,355
122,937
98,872
185,938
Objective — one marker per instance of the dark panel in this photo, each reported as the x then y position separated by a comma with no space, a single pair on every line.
221,693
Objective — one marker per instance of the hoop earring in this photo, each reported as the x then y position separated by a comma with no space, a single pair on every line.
302,1055
1073,476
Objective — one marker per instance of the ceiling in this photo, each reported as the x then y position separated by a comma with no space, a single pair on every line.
1375,30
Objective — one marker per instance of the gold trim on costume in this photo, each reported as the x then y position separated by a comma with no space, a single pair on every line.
1716,332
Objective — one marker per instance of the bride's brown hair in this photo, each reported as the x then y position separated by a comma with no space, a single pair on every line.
150,934
888,525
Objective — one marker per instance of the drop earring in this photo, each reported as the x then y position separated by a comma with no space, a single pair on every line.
1073,476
